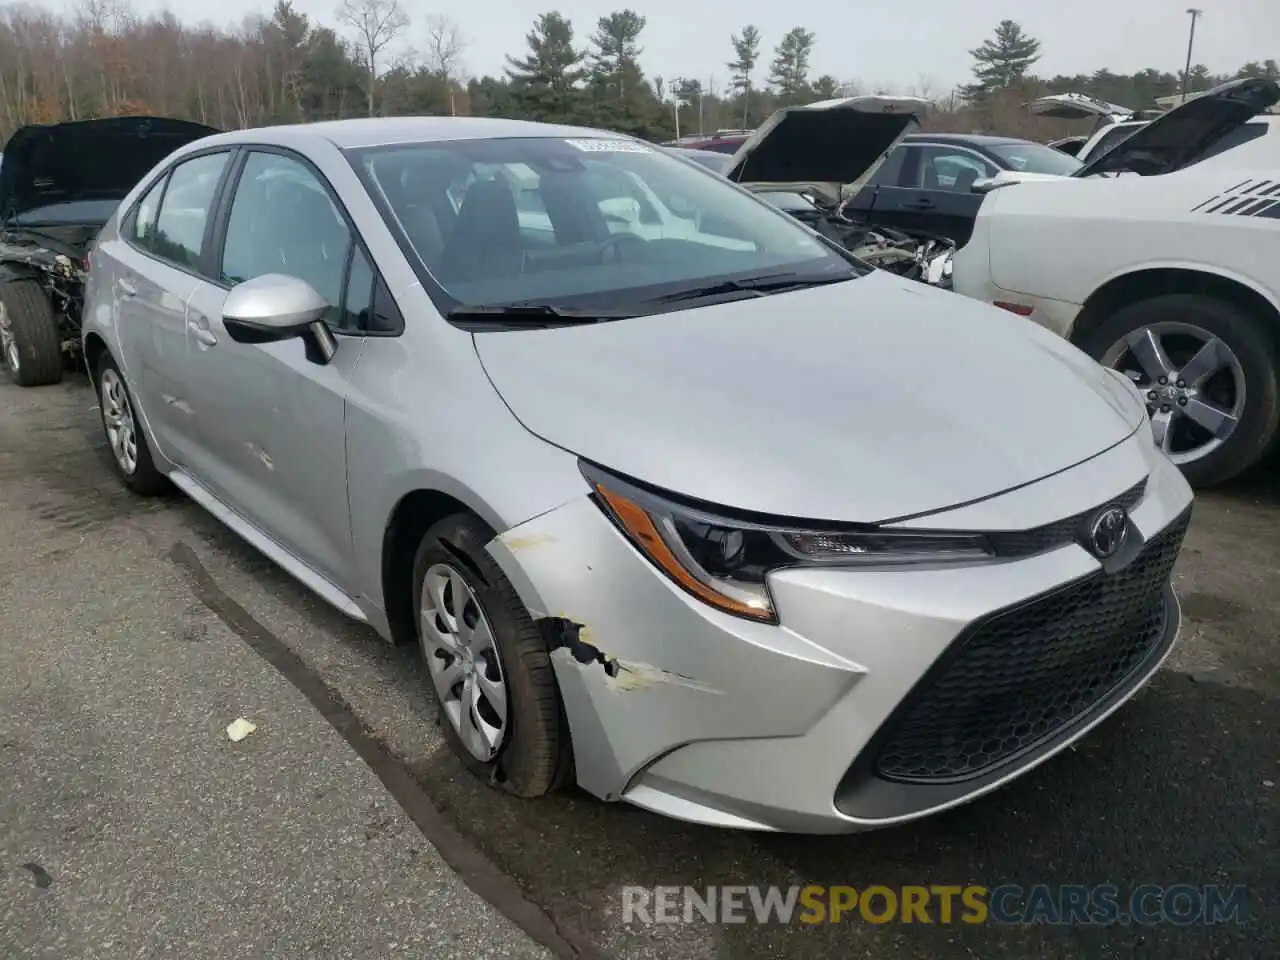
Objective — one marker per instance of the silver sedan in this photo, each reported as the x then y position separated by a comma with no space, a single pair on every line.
681,502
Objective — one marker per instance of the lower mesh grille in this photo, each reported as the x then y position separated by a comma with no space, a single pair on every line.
1023,675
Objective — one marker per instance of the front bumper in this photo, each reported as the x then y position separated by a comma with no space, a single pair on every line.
836,720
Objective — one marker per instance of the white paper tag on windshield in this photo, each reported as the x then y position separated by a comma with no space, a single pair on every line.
608,146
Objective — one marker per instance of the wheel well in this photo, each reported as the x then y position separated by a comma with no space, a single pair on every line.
1146,284
412,517
94,348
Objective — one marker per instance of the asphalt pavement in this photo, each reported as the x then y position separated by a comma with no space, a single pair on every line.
133,632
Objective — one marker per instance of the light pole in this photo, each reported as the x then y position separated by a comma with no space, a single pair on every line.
1186,73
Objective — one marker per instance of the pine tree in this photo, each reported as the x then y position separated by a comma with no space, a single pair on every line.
1003,60
617,50
789,71
746,49
622,100
547,83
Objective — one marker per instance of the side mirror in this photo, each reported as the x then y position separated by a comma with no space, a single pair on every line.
276,307
987,184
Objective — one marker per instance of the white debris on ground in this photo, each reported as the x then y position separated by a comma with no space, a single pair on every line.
238,729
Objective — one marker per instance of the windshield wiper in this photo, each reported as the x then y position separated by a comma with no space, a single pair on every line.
752,286
535,314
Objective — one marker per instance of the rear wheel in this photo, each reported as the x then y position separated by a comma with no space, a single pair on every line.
30,346
130,454
1209,372
498,701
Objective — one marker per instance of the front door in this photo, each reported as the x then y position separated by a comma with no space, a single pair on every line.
271,422
933,193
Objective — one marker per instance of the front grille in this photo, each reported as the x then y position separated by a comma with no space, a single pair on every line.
1021,676
1024,543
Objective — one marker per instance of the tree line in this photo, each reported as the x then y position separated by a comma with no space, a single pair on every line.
374,59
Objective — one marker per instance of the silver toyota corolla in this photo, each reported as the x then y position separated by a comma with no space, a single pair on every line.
681,502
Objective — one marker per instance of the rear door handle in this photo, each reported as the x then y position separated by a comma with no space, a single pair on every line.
919,205
127,288
203,334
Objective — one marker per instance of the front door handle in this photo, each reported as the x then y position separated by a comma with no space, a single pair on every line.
126,288
203,334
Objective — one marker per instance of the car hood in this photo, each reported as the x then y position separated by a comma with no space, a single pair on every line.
1077,106
864,401
1173,140
826,145
46,164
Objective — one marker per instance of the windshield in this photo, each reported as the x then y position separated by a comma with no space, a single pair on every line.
1036,158
1115,135
599,222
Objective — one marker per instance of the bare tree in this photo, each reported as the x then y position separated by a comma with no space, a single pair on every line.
925,87
376,24
445,44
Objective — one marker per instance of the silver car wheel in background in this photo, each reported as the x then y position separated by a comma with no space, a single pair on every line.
1193,382
117,416
8,345
462,658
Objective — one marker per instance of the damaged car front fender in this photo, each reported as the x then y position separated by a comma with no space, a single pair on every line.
643,667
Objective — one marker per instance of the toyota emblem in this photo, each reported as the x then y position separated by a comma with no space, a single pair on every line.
1108,532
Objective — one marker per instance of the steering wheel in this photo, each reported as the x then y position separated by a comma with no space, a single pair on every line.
611,248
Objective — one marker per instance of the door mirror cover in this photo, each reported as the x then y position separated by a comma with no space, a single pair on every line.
272,307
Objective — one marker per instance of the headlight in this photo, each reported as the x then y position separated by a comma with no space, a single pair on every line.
725,562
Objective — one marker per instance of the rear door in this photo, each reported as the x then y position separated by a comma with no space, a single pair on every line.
933,193
154,266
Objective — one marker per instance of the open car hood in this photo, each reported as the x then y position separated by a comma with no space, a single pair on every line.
1077,106
46,164
827,145
1171,141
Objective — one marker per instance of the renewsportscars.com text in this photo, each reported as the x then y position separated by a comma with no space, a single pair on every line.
1008,904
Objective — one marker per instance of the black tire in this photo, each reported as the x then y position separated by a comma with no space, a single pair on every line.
535,757
144,480
33,325
1253,346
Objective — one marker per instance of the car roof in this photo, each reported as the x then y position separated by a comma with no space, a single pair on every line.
385,131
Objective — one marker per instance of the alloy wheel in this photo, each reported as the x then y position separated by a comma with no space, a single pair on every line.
1193,383
462,658
117,416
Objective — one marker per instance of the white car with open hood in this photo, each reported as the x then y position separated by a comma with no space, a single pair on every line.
1159,259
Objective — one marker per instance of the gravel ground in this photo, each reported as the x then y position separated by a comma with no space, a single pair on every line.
134,632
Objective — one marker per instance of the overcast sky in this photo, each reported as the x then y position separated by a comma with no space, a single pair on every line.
878,42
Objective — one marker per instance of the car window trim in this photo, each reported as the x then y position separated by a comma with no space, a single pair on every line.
167,176
223,214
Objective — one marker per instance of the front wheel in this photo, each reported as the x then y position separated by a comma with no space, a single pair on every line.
30,345
495,687
1209,372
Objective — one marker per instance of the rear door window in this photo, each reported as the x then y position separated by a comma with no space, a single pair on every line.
185,209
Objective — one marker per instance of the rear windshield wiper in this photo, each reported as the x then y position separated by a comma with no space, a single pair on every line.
534,314
752,286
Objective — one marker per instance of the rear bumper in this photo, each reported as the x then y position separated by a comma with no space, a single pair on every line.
715,720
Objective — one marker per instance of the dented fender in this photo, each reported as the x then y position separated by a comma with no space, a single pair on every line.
643,667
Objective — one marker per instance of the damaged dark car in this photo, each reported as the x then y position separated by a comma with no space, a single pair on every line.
811,160
59,184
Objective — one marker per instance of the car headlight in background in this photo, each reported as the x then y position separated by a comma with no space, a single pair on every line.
725,561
